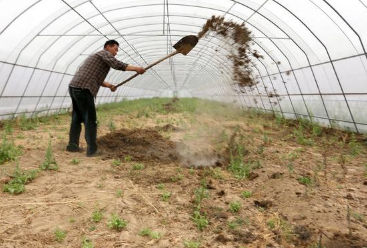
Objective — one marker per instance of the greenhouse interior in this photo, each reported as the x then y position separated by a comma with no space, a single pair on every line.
166,123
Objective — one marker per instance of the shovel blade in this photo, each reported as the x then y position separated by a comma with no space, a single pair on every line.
186,44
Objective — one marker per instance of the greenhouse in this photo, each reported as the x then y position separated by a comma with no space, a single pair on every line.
165,123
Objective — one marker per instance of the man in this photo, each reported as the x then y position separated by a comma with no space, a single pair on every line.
84,87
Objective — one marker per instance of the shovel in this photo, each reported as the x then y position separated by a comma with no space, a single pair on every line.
184,46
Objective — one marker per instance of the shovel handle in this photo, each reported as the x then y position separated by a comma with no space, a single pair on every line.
146,68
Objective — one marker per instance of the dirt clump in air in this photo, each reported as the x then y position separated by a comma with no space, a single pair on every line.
240,55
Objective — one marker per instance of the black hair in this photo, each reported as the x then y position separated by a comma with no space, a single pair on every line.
111,43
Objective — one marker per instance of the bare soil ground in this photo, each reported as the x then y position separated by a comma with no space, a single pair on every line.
150,170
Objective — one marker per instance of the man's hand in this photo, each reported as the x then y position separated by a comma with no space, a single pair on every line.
140,70
113,88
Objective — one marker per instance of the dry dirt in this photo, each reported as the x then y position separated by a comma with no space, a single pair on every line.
176,150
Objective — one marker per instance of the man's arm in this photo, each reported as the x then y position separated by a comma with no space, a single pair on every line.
108,85
138,69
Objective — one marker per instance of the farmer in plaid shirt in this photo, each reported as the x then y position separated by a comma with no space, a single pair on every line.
83,89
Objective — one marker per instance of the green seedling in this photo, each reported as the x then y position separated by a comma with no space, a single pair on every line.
119,193
59,235
236,223
200,220
18,181
127,158
235,206
8,151
86,243
166,196
116,162
246,194
160,186
271,224
150,233
305,181
116,223
97,216
49,163
75,161
138,166
191,244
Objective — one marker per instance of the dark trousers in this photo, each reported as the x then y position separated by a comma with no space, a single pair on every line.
84,111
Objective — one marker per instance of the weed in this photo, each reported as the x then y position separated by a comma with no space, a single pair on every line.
299,134
116,223
177,177
200,194
86,243
271,224
357,216
127,158
266,139
8,128
305,181
235,223
138,166
111,125
116,162
72,220
150,233
191,244
365,170
160,186
49,162
166,196
354,146
200,220
246,194
27,123
97,216
119,193
235,206
92,228
8,151
75,161
290,167
59,235
19,179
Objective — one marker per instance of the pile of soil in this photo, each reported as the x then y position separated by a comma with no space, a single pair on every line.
141,144
240,36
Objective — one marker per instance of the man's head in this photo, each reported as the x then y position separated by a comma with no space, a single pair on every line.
112,46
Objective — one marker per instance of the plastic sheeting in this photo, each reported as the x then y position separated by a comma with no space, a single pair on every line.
314,65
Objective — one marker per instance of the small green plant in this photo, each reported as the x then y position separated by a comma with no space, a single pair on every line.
8,151
177,177
8,128
116,162
200,220
19,179
111,125
150,233
299,134
27,123
160,186
357,216
72,220
271,224
200,194
354,146
138,166
119,193
246,194
290,167
235,223
97,216
127,158
49,163
365,170
116,223
191,244
166,196
86,243
305,181
75,161
234,206
59,235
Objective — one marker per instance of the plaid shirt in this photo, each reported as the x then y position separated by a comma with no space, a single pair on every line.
94,70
